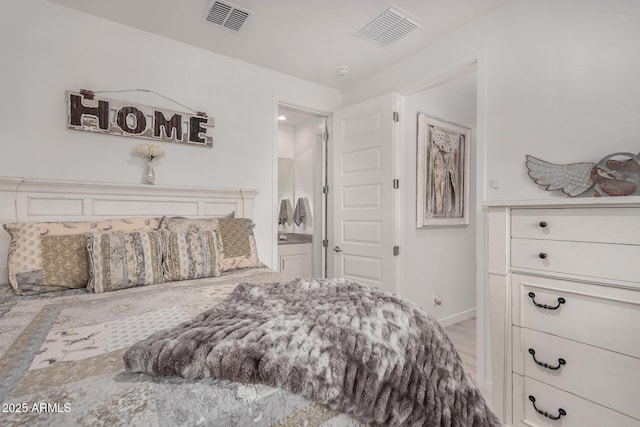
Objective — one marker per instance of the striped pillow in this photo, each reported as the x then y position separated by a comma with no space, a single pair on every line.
124,260
238,248
191,255
51,256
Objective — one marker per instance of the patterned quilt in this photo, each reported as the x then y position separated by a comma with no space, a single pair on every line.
61,362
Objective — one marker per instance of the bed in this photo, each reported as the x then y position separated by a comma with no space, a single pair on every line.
62,351
65,351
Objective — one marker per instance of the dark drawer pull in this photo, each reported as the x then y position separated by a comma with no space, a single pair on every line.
561,361
543,224
542,255
561,411
545,306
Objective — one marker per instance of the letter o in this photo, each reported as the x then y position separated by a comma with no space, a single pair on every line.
141,120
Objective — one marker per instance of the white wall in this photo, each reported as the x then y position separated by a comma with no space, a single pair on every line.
286,144
47,49
285,141
437,260
286,171
561,81
557,80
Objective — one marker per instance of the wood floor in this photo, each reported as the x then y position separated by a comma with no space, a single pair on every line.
463,335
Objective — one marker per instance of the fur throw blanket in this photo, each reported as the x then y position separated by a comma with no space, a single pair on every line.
359,350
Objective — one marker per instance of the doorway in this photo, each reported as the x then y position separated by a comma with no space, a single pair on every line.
443,256
440,270
301,203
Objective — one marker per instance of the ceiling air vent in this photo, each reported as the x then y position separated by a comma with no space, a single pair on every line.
389,27
226,14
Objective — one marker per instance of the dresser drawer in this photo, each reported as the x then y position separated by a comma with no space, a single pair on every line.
603,225
609,378
597,260
602,316
579,412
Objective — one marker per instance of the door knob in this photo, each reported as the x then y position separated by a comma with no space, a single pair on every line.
337,249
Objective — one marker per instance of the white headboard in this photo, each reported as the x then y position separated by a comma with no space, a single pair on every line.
23,199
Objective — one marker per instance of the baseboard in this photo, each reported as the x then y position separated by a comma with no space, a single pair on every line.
459,317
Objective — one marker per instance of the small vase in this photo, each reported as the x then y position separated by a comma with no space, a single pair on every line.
149,174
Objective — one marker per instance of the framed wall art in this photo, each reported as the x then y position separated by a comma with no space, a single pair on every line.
442,173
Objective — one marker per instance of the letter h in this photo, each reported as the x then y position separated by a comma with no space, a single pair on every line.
78,109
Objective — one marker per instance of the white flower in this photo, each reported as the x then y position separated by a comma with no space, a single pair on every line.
150,151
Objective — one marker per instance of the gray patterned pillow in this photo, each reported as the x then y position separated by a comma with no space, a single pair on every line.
238,244
50,256
191,255
182,225
179,224
124,260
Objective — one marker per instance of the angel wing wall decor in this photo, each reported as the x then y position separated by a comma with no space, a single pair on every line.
609,177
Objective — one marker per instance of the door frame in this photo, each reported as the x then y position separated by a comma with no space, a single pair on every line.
327,116
477,61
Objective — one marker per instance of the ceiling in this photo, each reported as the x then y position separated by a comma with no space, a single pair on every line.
463,85
303,38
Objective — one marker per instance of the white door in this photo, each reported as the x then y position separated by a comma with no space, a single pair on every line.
364,145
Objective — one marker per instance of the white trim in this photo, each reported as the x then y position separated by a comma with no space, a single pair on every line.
398,208
567,201
401,198
311,111
483,346
25,185
458,317
274,183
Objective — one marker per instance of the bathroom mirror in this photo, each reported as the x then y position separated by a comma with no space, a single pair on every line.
286,185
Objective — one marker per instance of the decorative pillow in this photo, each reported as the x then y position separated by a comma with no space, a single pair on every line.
124,260
182,225
179,224
50,256
238,244
191,255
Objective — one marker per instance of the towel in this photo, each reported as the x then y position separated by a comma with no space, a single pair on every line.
286,213
302,214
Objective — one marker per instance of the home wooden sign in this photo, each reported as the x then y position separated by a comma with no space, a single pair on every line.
87,112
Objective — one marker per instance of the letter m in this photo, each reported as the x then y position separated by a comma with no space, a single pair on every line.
174,123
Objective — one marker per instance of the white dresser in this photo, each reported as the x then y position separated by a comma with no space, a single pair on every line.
564,286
